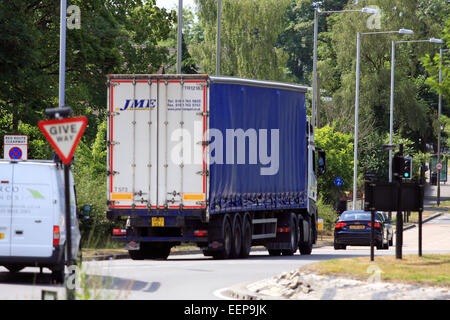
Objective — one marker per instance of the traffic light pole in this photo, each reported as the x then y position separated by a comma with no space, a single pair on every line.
372,235
399,222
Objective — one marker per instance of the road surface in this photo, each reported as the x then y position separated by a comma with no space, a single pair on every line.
195,277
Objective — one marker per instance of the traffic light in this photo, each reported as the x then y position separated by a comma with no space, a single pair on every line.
406,169
397,165
401,167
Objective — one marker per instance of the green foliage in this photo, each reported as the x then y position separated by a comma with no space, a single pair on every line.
105,43
434,64
327,213
90,179
249,33
297,39
339,161
337,65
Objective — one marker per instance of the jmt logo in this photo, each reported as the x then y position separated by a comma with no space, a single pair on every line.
141,104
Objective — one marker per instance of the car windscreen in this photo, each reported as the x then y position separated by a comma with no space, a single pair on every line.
355,216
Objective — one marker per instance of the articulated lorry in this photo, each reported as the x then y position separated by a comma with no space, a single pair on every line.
222,162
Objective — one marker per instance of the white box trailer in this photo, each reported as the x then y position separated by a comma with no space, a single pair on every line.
227,163
155,157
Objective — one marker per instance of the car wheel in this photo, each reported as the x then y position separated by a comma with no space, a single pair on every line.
14,268
274,253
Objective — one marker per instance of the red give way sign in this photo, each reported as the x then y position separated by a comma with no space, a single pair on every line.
64,135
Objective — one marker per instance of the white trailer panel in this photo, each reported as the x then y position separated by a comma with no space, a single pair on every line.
156,152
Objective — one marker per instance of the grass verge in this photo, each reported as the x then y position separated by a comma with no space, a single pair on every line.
430,269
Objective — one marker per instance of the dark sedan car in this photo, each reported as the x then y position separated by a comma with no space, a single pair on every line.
353,228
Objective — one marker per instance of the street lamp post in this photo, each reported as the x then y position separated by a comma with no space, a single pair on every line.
219,24
355,148
180,36
391,109
317,12
441,52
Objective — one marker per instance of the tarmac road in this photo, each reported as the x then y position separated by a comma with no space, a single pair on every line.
195,277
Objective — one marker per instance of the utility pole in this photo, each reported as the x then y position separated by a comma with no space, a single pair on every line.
219,24
180,35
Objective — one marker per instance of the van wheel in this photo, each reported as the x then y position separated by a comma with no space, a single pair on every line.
14,268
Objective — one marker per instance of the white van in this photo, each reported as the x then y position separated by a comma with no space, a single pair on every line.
32,216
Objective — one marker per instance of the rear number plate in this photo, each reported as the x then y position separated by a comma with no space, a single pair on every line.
157,221
357,227
2,236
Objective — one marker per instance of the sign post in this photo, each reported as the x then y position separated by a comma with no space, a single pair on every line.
64,135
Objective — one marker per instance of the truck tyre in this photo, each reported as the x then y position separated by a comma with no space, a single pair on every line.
246,238
293,240
155,250
236,244
306,247
13,268
136,254
226,239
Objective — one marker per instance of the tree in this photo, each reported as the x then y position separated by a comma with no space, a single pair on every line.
105,43
249,33
337,69
297,39
339,161
188,63
434,64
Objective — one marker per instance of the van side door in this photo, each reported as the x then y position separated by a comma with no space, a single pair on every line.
32,213
5,208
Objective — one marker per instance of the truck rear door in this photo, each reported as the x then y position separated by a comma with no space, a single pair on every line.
156,150
32,211
5,208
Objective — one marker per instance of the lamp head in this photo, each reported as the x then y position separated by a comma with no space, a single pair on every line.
369,10
434,40
405,31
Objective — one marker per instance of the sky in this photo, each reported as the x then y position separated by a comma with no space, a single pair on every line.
172,4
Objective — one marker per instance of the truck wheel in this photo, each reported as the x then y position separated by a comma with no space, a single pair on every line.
246,238
236,244
306,247
227,234
155,250
14,268
136,254
293,241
